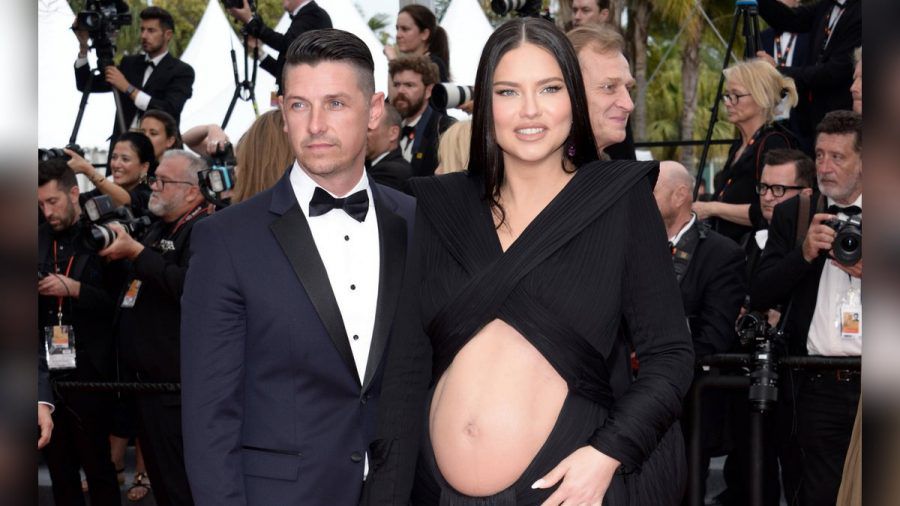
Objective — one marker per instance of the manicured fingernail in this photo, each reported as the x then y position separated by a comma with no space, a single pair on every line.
538,484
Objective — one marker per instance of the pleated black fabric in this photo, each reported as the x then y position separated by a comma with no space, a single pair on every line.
591,276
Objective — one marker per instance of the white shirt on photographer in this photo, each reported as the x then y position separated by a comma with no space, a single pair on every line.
825,336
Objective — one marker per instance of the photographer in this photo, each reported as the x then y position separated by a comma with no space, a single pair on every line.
75,326
153,80
799,269
305,15
150,314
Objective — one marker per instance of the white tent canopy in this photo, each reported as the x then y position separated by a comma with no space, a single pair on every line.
57,96
468,30
209,54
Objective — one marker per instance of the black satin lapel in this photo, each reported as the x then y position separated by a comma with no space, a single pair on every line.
293,234
392,249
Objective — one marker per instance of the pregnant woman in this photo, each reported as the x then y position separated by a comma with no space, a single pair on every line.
534,275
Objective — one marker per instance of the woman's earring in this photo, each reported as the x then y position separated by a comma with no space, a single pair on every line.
571,150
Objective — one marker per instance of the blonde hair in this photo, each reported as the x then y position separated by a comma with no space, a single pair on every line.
765,84
453,149
857,55
263,154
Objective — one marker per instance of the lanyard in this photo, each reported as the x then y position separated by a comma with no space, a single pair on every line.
189,216
59,312
832,22
782,53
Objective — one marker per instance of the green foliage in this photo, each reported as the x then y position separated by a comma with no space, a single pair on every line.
378,24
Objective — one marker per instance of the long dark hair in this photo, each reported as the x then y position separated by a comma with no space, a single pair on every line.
485,158
424,19
141,144
169,124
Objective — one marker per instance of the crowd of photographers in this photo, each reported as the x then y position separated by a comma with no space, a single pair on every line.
776,252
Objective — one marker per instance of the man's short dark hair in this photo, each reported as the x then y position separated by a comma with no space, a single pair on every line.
603,4
842,123
166,21
391,116
332,45
806,168
56,169
421,65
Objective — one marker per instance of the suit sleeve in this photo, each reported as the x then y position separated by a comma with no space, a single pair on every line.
98,85
213,335
279,41
152,268
652,309
713,328
781,266
45,391
404,387
786,19
837,70
176,92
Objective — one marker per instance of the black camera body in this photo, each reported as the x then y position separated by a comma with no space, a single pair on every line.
101,212
53,153
102,19
766,343
847,245
524,8
237,4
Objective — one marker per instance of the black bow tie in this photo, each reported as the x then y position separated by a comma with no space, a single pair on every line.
849,210
149,63
407,132
356,205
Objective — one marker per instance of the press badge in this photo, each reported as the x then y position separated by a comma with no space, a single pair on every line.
132,294
851,315
60,346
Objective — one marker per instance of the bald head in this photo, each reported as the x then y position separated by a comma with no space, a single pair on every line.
674,192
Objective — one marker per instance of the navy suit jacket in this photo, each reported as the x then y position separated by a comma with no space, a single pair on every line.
273,409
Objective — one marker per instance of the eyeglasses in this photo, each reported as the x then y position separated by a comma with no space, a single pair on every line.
777,189
732,98
153,181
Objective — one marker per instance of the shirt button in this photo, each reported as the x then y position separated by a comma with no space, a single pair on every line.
346,237
356,457
355,337
353,287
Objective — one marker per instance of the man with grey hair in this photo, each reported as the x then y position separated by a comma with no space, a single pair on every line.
384,160
711,273
150,314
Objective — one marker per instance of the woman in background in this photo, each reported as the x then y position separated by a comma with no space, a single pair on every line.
418,33
753,91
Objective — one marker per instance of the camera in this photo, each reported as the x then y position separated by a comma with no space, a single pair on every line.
102,19
53,153
523,8
847,246
102,212
219,177
754,331
450,95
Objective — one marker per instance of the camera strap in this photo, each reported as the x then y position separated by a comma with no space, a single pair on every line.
683,252
804,217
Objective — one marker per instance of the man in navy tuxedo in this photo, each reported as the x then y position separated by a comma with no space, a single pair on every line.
289,302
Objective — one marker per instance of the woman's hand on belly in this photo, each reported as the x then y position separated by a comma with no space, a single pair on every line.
585,475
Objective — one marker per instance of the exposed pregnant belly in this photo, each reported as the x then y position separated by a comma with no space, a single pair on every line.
492,410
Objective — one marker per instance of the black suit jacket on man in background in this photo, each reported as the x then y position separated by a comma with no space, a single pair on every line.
393,170
823,83
170,85
425,143
310,17
82,419
149,341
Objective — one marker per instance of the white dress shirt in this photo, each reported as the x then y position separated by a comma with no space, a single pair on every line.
825,336
350,251
678,236
406,144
